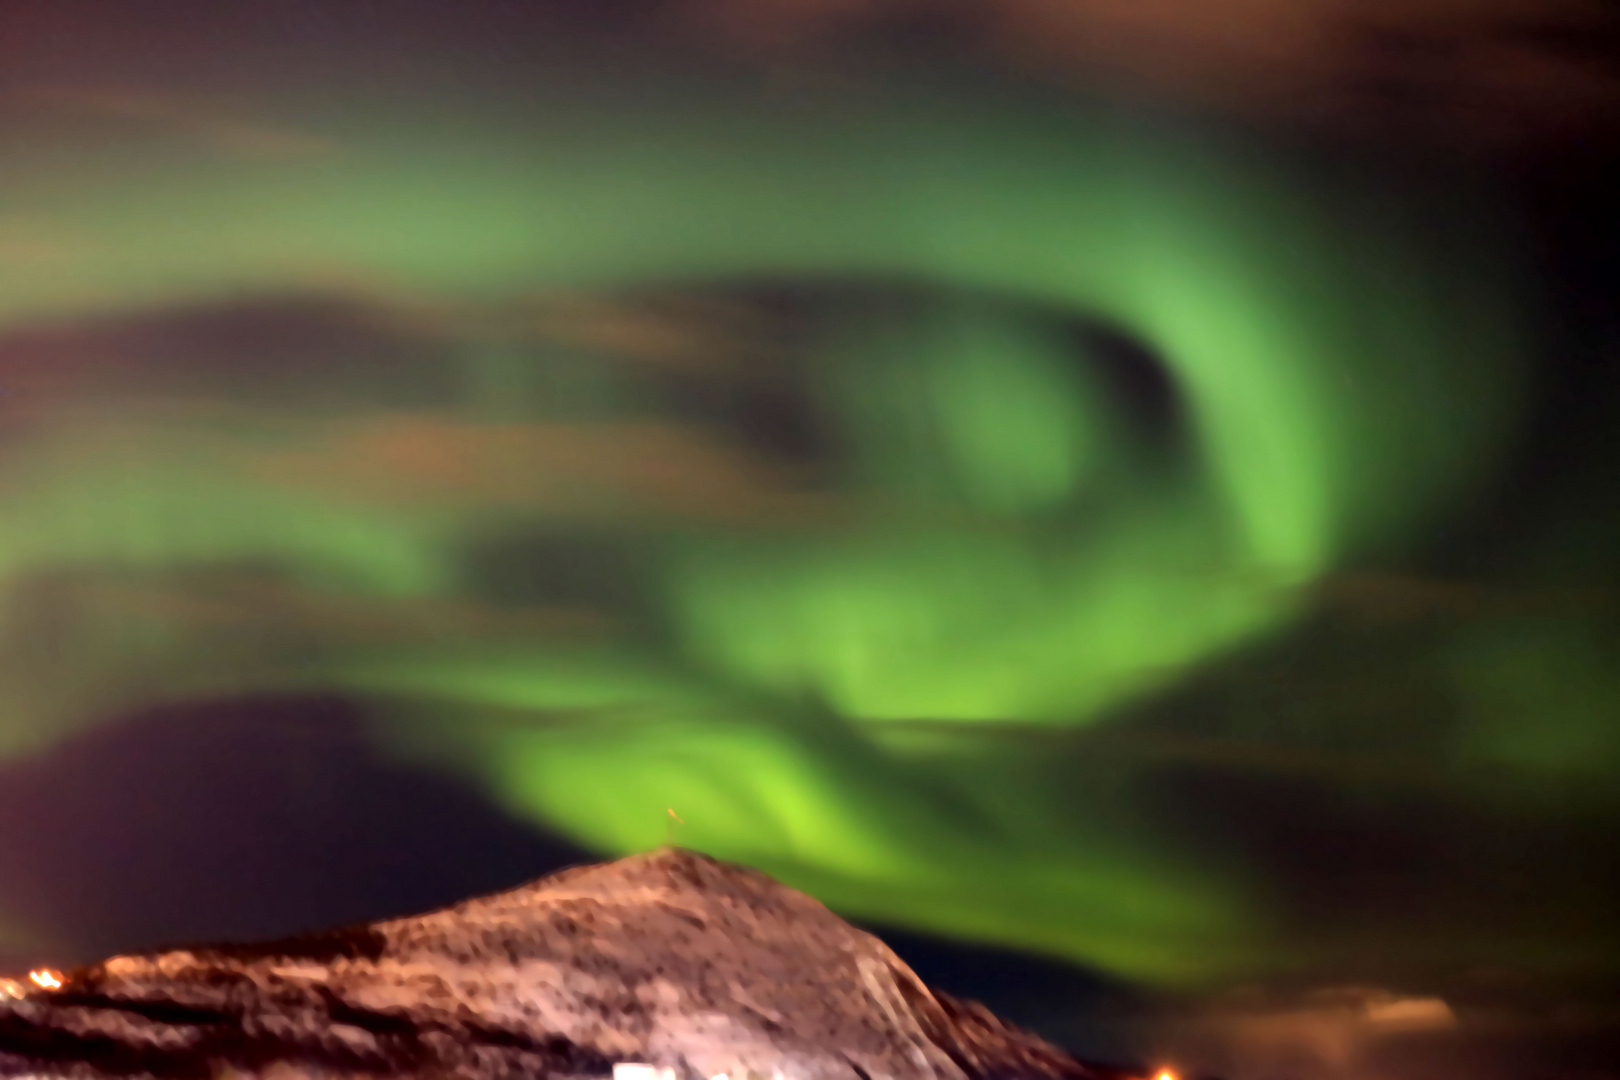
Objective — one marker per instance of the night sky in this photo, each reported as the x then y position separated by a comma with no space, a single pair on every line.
1116,498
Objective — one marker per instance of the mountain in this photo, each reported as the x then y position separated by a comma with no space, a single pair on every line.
670,959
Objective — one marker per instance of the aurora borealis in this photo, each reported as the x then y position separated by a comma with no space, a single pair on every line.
474,393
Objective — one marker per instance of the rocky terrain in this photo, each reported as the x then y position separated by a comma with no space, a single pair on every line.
670,959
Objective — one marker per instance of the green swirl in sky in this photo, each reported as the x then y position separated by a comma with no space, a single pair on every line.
1014,552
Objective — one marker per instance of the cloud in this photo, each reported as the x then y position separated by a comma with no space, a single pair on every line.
601,469
1483,70
1326,1032
219,130
29,239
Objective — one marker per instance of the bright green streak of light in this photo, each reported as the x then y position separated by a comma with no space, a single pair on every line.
811,801
1338,390
851,830
941,625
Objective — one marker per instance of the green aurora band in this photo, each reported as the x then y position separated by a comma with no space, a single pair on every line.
1017,556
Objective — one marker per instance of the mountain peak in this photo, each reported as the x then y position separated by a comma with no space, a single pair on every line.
670,958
